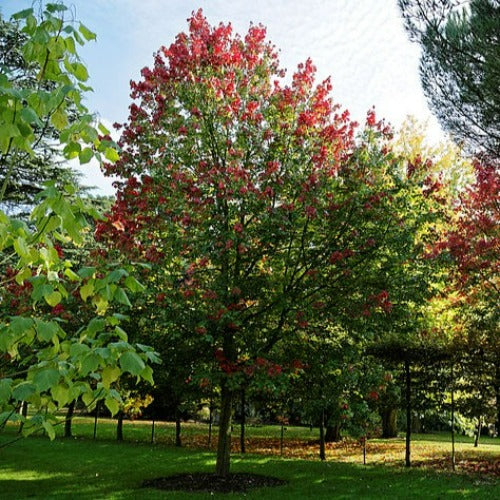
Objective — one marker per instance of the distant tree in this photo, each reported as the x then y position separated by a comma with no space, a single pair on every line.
460,66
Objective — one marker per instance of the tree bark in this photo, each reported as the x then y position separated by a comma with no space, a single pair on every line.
389,422
224,441
242,428
478,431
69,420
408,413
119,427
332,434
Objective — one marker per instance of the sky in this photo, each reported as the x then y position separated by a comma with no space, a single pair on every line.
361,44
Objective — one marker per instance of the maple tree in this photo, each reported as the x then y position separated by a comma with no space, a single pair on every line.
262,214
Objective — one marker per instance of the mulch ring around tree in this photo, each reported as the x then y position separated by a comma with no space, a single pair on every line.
232,483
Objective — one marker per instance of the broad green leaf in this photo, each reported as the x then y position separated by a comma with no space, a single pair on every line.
87,34
112,405
46,378
95,325
49,428
90,363
71,275
87,272
23,275
19,325
53,298
60,393
80,71
5,389
132,363
23,391
122,297
147,374
87,290
111,155
109,375
133,285
46,330
85,155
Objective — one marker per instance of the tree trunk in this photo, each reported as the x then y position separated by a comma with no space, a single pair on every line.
178,440
408,413
497,395
322,454
224,441
96,418
478,433
452,426
389,422
24,413
119,427
210,420
332,434
242,429
69,420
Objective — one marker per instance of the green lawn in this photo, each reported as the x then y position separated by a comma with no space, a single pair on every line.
77,468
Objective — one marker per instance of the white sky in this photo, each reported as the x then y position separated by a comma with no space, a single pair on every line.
361,44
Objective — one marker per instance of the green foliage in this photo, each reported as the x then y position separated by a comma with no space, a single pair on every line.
54,347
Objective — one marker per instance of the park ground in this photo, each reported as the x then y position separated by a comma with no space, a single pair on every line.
82,467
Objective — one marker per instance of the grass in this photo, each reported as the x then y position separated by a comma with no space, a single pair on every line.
36,467
84,468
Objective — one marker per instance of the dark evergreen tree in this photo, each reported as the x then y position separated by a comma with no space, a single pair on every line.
460,66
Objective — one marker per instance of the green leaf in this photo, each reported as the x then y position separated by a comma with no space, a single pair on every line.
109,375
111,155
122,297
46,378
116,275
46,330
87,290
60,393
49,428
87,34
147,374
5,390
112,405
85,155
53,298
133,285
19,325
23,391
71,275
132,363
90,363
95,325
103,129
28,114
87,272
80,71
22,14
